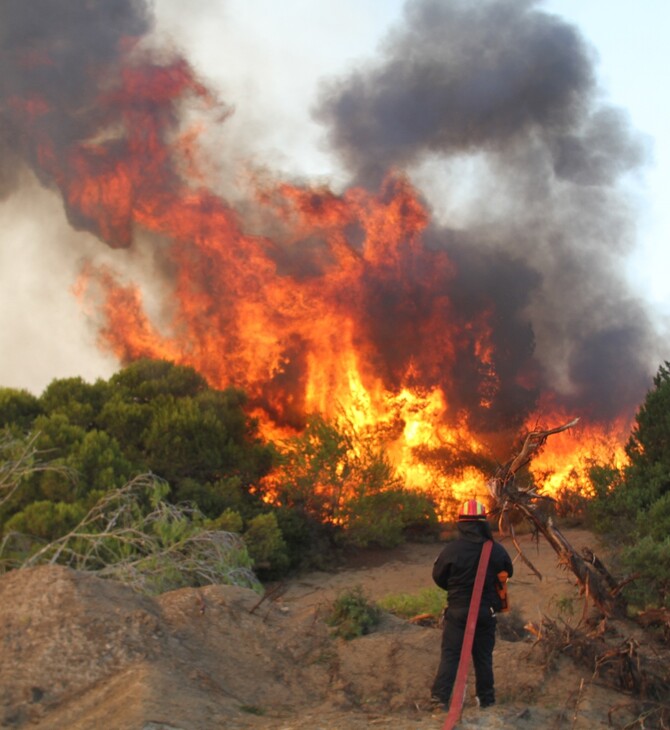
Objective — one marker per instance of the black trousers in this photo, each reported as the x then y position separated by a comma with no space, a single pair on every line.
482,654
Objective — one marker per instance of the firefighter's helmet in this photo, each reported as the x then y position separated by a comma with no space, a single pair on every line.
472,510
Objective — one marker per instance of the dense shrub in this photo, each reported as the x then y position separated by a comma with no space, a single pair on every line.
310,544
228,520
266,545
46,520
384,518
18,410
151,417
650,560
135,536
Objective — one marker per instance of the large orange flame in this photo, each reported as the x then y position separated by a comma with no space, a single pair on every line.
280,303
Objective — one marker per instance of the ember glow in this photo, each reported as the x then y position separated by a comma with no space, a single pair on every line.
564,463
442,344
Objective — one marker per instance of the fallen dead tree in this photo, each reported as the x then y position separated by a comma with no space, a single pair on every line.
657,618
617,660
513,501
617,653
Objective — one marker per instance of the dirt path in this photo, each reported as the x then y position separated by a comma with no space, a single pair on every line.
526,698
407,569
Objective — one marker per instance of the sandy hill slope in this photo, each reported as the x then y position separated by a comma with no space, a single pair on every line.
79,652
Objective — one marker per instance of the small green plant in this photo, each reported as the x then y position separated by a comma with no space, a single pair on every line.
352,614
430,600
650,558
566,606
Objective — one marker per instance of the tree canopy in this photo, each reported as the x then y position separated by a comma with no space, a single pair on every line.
633,504
151,417
293,502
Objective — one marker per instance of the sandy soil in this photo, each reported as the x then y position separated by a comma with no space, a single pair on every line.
79,652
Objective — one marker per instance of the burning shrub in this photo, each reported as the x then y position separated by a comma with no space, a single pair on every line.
570,504
326,469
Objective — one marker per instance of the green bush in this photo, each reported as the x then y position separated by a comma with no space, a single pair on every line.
656,520
352,614
650,559
151,417
430,600
228,520
18,409
45,520
632,505
384,518
608,507
310,544
266,545
133,535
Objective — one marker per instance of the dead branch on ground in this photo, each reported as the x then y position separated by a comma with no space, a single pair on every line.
615,661
151,550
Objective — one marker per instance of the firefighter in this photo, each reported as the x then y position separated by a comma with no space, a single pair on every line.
454,570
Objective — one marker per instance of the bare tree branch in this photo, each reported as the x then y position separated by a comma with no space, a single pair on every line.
19,458
512,500
151,549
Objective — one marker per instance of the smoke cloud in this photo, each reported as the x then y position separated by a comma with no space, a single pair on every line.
513,89
55,55
499,88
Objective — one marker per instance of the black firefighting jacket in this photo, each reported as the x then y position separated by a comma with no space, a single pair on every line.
455,568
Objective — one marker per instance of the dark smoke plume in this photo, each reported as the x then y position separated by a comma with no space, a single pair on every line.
514,89
462,77
80,102
503,85
53,53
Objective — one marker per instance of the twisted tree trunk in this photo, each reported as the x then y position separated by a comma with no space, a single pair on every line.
595,581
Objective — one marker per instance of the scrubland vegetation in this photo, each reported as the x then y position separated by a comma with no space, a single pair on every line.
154,478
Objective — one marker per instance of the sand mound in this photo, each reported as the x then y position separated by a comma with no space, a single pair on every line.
80,652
